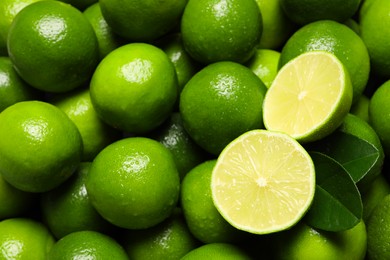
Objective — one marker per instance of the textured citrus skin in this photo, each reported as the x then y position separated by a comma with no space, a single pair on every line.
220,102
150,19
120,175
40,147
141,80
217,251
338,39
216,30
52,46
23,238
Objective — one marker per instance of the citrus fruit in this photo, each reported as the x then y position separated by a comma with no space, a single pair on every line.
87,245
214,251
8,10
94,132
360,107
304,12
378,231
186,153
309,97
374,28
305,242
264,64
107,39
80,4
40,147
220,102
221,30
378,110
202,218
277,27
338,39
67,208
14,202
52,46
134,88
12,88
374,194
263,182
23,238
185,66
170,239
149,19
134,183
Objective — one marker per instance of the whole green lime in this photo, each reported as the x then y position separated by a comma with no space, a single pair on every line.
223,251
40,147
53,46
335,38
133,183
134,88
220,102
221,30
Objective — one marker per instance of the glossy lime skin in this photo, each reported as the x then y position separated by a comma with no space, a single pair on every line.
134,88
219,30
149,19
335,38
220,102
133,183
12,88
87,245
23,238
224,251
40,147
53,46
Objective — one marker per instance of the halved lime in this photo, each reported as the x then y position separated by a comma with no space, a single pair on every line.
309,97
263,182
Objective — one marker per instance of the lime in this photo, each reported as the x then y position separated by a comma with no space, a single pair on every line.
215,251
378,231
134,88
277,27
53,46
94,132
305,242
23,238
360,107
107,39
149,19
221,30
40,147
67,208
186,153
264,64
263,182
309,97
134,183
379,114
374,194
220,102
80,4
170,239
374,28
87,245
8,10
12,88
304,12
202,218
338,39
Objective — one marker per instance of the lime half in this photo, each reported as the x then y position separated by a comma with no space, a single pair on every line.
263,182
309,97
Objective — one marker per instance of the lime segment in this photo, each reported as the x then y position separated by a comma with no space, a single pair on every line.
263,182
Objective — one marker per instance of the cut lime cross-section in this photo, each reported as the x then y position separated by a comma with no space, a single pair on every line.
263,182
309,97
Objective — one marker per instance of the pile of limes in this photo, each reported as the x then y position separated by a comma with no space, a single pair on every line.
184,129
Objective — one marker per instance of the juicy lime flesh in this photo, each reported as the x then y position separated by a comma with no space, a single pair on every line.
263,182
304,94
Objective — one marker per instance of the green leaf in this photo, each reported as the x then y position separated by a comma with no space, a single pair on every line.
356,155
337,203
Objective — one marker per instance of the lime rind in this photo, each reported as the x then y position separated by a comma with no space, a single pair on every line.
263,182
309,97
